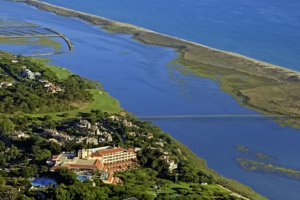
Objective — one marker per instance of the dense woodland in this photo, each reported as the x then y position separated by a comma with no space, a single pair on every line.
30,96
22,159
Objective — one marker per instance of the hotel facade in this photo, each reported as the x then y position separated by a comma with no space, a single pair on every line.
106,159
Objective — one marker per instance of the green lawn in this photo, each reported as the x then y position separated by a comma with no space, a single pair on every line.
172,190
62,73
101,99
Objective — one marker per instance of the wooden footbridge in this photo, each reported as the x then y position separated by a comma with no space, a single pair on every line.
220,117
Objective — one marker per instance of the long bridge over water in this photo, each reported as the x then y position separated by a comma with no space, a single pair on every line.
220,117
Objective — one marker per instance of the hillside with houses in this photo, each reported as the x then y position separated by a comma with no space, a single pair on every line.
28,86
90,155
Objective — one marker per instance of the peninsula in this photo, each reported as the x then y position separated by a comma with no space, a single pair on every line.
266,88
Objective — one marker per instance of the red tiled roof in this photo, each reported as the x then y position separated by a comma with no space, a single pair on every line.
130,150
97,165
116,169
107,151
104,152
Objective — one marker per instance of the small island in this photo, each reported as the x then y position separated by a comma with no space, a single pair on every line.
269,168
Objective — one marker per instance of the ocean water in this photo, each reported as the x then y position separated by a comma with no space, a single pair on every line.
267,30
139,76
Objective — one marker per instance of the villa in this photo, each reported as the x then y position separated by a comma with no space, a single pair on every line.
27,74
19,135
51,87
126,123
85,124
105,137
172,164
95,134
53,133
5,84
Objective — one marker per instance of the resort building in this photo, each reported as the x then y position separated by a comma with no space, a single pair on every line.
108,155
105,159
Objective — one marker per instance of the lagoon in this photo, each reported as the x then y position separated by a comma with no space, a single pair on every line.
267,30
142,79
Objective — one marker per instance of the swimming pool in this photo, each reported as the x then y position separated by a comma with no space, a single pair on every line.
83,178
43,182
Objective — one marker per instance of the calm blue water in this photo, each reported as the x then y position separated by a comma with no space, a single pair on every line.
139,77
33,49
83,178
28,49
267,30
43,182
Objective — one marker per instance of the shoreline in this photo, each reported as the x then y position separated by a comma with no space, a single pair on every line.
103,23
266,88
234,186
244,78
191,43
